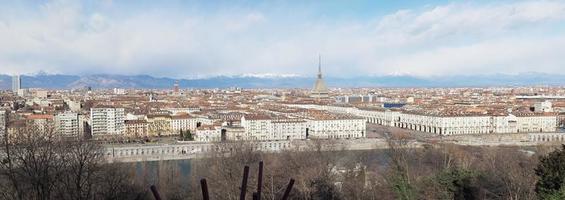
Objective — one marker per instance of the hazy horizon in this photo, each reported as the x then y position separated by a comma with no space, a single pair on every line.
274,75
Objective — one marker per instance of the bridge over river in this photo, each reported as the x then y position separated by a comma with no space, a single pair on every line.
188,150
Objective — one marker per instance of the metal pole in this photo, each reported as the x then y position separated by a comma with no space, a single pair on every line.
288,188
204,185
260,180
155,192
244,182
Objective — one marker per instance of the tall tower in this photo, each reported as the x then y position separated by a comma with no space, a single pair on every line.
319,66
176,87
320,89
16,83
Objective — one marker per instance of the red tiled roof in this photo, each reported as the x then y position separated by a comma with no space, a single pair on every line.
33,117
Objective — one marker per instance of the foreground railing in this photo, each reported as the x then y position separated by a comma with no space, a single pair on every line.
243,189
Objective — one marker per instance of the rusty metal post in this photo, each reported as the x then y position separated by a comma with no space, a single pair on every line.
204,186
244,183
288,188
260,180
155,192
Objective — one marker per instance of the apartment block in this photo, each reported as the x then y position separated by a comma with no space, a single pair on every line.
107,121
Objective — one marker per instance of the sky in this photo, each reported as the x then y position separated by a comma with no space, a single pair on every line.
187,39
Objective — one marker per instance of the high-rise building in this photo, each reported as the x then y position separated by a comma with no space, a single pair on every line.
176,87
67,124
16,83
106,121
320,89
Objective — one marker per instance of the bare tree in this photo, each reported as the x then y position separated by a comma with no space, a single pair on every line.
83,164
38,164
32,162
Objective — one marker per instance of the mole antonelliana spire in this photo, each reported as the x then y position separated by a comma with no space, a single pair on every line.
320,89
319,67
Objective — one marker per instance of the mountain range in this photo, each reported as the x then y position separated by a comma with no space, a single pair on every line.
60,81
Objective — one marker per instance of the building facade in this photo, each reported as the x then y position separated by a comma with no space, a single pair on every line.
288,129
16,83
265,128
159,125
336,128
67,124
451,124
107,121
183,122
257,127
43,123
136,128
208,133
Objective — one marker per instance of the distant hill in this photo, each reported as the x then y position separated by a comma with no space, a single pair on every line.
58,81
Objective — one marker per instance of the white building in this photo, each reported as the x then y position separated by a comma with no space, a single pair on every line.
183,122
74,105
260,127
16,83
543,106
337,128
505,124
456,125
104,121
257,127
22,92
67,124
233,132
119,91
288,129
532,123
208,134
450,124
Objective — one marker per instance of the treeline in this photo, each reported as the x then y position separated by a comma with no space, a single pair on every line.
442,172
39,164
43,166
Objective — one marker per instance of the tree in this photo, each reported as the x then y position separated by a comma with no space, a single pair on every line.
188,136
324,189
458,183
32,162
223,169
556,195
39,164
551,174
399,172
83,164
509,172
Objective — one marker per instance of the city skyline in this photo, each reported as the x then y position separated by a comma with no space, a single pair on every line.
182,39
358,99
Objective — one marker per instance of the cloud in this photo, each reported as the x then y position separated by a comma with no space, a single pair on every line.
487,57
456,38
245,22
